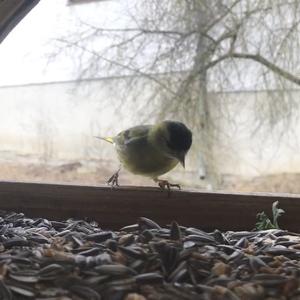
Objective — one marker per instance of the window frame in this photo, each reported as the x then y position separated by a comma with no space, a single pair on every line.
12,12
114,208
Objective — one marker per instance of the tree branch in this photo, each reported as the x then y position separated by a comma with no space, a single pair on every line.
255,57
271,66
123,66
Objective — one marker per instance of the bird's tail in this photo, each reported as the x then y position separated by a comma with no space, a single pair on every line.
107,139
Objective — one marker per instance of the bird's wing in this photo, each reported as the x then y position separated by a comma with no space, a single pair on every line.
131,135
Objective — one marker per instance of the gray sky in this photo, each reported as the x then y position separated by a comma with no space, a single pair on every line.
24,53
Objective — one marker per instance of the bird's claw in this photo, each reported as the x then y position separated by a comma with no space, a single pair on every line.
114,179
165,184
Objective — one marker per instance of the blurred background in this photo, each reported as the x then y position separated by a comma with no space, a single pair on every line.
229,69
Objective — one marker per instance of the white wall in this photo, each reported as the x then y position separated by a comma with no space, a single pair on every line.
57,121
248,146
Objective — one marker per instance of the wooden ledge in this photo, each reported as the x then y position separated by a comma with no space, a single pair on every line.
114,208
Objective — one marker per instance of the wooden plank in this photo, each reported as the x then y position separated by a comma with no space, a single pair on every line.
11,13
114,208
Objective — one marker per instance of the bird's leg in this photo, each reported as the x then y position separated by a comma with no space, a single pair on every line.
165,184
114,179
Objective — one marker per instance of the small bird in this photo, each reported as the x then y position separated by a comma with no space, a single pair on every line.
151,150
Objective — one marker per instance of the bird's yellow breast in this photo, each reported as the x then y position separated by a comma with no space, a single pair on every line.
144,159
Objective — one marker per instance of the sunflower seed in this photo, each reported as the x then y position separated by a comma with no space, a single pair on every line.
85,292
76,259
114,270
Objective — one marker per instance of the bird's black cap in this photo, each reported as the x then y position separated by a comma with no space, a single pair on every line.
180,136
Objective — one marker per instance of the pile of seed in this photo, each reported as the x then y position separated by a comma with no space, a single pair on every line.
75,259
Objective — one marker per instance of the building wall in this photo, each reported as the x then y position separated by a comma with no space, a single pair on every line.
58,121
250,144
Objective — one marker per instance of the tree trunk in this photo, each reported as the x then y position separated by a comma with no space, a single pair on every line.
205,138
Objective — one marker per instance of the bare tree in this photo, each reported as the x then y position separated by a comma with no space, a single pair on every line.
189,47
